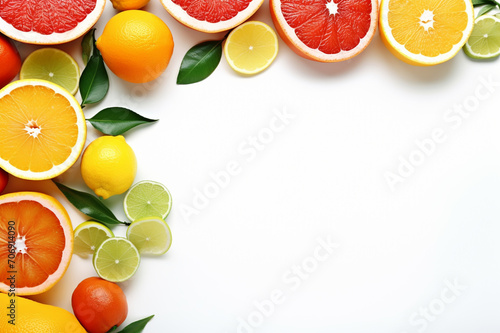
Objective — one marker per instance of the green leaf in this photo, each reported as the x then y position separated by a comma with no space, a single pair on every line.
89,205
87,45
112,329
200,61
94,82
482,2
137,326
117,120
486,9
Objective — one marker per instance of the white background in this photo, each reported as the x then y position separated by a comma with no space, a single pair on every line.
322,176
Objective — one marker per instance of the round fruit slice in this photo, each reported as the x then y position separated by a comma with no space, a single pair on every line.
211,15
52,65
116,260
48,21
426,32
484,42
150,235
89,236
147,198
251,47
41,136
325,30
37,242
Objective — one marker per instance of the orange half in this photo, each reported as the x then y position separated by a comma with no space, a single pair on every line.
42,129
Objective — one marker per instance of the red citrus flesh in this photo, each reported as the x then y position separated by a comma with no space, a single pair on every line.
213,11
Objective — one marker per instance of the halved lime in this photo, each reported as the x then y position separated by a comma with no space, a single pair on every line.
151,235
116,259
147,198
52,65
484,42
88,236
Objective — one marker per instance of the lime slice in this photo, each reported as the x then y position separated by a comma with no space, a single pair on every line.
151,235
116,259
52,65
484,42
147,198
88,236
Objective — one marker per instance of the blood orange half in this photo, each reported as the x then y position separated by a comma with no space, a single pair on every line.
211,15
325,30
36,242
48,21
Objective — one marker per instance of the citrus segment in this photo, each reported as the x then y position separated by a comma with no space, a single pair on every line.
41,231
147,198
48,21
42,129
150,235
484,42
88,236
425,32
251,47
325,30
116,259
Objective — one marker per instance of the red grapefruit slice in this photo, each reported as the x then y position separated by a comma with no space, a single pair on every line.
48,21
325,30
211,15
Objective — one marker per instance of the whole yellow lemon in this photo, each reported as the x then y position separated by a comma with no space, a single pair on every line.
109,166
129,4
136,46
22,315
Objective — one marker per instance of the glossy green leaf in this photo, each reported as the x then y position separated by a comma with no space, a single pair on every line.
89,205
88,45
94,82
486,9
482,2
200,61
117,120
137,326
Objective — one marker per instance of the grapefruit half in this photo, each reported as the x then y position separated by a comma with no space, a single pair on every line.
211,15
325,30
48,21
36,241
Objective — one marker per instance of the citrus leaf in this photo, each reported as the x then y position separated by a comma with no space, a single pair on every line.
87,45
485,9
117,120
89,205
137,326
200,61
94,82
482,2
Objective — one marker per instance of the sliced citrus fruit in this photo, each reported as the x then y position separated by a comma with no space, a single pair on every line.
325,30
36,240
42,129
116,259
48,21
151,235
89,236
484,42
52,65
251,47
211,15
425,32
147,198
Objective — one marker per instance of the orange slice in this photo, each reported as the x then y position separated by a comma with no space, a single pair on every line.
40,228
42,129
426,32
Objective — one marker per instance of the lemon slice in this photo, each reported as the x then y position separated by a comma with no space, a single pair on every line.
88,236
52,65
147,198
150,235
251,47
484,42
116,259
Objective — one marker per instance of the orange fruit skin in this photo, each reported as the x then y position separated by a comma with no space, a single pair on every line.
99,304
10,60
136,46
4,179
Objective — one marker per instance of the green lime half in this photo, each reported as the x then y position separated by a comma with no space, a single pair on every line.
147,198
116,259
52,65
484,42
88,236
151,235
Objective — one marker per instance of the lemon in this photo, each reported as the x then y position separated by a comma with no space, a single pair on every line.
88,236
251,47
31,316
109,166
484,42
116,259
151,235
128,4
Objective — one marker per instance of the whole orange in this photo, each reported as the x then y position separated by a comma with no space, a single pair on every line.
136,46
10,60
99,305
